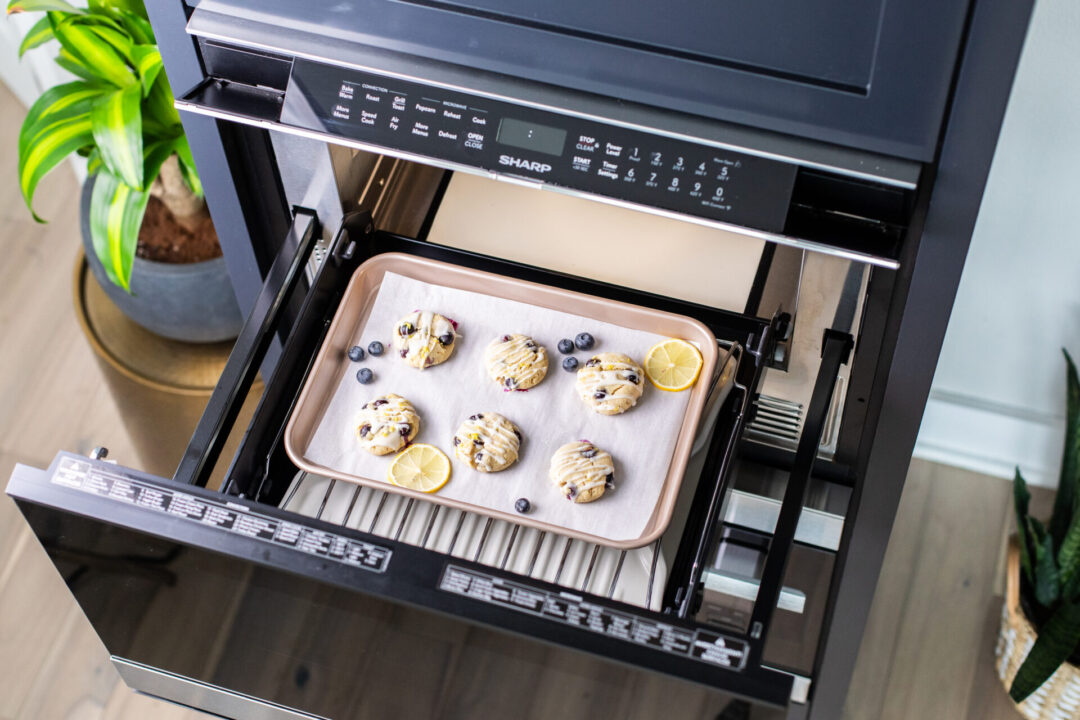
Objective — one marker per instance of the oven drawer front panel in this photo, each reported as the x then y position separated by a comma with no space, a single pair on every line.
850,75
307,615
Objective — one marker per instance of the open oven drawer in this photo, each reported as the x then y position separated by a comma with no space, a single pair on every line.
270,595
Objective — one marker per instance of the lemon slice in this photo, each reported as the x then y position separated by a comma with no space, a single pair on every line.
420,467
673,365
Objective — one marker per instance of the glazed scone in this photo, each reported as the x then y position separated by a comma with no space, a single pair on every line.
516,362
387,424
424,339
610,383
487,442
582,471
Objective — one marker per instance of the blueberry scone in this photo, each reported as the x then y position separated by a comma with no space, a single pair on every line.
610,383
424,339
581,471
487,442
516,362
387,424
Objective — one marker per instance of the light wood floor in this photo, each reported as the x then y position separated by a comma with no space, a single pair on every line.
926,654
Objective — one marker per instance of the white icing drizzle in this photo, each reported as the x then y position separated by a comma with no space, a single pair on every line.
519,362
386,421
491,436
612,377
421,343
576,475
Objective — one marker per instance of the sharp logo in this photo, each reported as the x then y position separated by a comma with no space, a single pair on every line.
534,165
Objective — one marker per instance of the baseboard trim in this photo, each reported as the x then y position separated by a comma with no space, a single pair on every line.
990,438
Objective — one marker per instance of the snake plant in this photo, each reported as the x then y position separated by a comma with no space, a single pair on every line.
118,114
1050,559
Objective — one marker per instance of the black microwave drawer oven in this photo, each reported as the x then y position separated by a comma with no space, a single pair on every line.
801,150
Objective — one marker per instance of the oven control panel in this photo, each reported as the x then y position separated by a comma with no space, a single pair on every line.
523,142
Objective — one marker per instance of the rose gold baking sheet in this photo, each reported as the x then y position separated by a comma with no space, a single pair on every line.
650,443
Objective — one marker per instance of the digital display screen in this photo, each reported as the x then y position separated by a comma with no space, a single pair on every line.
531,136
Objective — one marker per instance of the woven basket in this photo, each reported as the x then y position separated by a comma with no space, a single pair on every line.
1059,697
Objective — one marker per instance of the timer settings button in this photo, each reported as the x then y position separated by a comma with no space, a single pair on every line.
608,170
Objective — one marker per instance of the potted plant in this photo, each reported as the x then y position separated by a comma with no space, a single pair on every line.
146,230
1040,630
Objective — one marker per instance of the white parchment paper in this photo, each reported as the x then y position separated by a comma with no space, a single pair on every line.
641,440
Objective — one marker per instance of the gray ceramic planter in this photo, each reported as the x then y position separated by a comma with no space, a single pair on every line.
192,302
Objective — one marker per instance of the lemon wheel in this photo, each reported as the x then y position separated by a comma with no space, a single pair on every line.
673,365
420,467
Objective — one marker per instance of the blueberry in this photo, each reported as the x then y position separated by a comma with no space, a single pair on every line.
506,338
457,440
406,329
364,429
588,452
592,362
600,395
404,353
517,433
522,505
632,378
364,375
356,353
405,430
584,341
375,348
380,401
446,339
570,364
609,481
566,346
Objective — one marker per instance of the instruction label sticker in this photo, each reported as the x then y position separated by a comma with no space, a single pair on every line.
568,609
230,517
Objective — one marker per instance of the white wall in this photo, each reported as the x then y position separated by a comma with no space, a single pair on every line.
998,396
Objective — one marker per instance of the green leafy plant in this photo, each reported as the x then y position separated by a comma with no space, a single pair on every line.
119,114
1050,559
